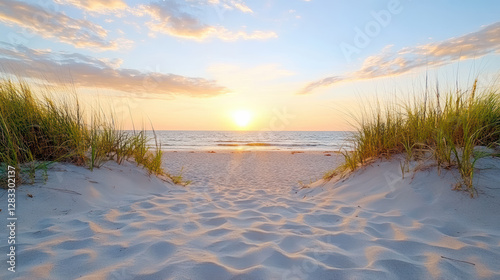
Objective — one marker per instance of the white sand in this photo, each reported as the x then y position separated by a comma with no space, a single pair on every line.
245,217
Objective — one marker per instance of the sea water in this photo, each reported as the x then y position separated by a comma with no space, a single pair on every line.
253,140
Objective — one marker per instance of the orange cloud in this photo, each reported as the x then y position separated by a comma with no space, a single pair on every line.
389,63
172,18
98,6
77,32
85,71
232,4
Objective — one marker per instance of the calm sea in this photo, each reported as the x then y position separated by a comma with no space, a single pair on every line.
253,140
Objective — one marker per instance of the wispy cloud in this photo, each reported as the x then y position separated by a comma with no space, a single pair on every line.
231,4
177,19
390,63
80,33
86,71
97,6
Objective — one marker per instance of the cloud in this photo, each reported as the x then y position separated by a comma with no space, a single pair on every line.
390,63
86,71
176,19
231,4
48,24
321,83
97,6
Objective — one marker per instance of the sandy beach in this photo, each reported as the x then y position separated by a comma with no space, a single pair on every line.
245,216
249,140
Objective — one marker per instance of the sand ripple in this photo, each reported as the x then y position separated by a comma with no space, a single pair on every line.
216,231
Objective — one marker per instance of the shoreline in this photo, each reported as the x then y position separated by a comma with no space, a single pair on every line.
251,140
235,151
253,149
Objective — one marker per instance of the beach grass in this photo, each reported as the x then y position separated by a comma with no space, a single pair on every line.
445,128
37,131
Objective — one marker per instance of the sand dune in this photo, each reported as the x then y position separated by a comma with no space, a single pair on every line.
246,217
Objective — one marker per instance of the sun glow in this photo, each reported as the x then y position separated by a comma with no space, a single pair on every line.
242,118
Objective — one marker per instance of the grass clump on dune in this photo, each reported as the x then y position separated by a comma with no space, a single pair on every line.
35,132
446,128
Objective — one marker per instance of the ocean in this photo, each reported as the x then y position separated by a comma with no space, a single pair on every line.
253,140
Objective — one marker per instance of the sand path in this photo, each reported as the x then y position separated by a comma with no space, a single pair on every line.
244,217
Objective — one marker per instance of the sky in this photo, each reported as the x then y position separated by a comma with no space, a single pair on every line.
247,65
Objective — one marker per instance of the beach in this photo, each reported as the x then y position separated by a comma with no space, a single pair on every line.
249,140
246,216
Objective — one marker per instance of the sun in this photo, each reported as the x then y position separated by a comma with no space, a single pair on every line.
242,118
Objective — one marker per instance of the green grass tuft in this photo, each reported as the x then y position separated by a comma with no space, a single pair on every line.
178,179
37,131
446,129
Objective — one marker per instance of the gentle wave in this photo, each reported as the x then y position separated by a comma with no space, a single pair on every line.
267,145
230,141
285,140
246,144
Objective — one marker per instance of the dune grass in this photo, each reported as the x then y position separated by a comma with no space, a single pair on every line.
446,128
37,131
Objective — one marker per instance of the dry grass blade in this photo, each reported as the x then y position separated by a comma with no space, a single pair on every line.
35,130
448,128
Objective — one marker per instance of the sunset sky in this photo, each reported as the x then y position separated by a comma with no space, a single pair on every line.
286,65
